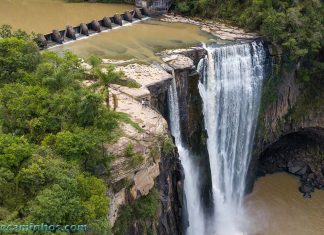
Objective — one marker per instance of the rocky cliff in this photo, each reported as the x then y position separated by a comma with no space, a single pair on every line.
135,183
290,132
146,175
183,65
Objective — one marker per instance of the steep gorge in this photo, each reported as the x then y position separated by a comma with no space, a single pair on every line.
284,140
290,126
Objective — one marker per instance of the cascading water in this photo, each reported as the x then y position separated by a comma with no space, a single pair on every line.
191,181
230,89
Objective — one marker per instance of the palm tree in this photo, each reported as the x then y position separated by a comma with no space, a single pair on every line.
105,75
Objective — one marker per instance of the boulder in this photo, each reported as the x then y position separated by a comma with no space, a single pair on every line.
70,33
128,16
138,13
41,41
145,11
306,188
295,166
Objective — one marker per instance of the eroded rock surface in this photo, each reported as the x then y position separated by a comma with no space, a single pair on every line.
220,30
290,132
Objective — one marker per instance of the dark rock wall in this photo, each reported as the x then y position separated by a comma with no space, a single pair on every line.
168,221
285,134
169,183
159,95
300,153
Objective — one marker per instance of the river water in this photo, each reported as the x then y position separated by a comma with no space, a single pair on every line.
42,16
138,40
276,207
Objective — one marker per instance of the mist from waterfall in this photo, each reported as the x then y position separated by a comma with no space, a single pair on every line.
191,182
230,87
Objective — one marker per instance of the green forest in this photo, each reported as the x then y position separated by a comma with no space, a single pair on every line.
51,137
53,128
296,26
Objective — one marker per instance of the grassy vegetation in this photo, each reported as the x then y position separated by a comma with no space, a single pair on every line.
142,210
167,144
136,158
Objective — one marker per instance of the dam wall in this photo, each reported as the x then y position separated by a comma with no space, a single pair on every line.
71,33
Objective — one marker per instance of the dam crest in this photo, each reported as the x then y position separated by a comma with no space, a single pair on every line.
71,33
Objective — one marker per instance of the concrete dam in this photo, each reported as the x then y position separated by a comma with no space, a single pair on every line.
70,33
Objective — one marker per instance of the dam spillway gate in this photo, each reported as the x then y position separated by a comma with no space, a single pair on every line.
71,33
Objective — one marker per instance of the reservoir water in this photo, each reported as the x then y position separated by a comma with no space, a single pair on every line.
42,16
138,40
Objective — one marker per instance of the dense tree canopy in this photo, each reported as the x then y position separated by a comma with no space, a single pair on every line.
52,131
295,25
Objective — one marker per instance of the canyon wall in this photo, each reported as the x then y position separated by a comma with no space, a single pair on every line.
290,132
146,176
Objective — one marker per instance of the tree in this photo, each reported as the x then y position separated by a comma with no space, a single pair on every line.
25,110
106,75
79,144
13,151
58,73
16,57
89,109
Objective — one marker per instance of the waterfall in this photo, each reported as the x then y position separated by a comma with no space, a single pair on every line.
191,181
230,88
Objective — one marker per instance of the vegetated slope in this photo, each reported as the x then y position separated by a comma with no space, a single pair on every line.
52,131
296,26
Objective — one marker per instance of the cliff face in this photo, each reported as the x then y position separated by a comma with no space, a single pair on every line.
161,170
170,186
290,132
146,174
183,65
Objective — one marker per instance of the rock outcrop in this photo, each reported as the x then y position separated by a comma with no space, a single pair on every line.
220,30
290,132
182,63
140,162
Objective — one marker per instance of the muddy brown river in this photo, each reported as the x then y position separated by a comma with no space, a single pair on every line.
42,16
138,41
275,206
133,41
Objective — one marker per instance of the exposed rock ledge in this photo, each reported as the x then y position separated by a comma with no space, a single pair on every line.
220,30
129,182
141,177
